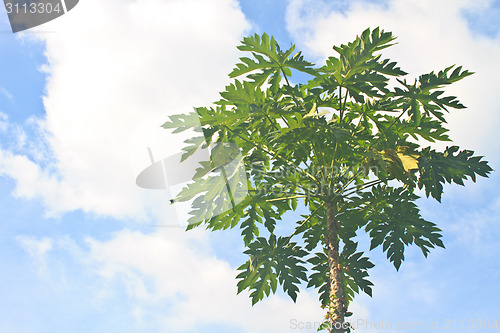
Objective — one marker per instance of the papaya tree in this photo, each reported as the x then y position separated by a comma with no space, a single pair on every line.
349,149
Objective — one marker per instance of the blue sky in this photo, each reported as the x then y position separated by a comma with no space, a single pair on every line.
82,97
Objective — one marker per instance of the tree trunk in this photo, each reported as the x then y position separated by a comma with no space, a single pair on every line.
337,300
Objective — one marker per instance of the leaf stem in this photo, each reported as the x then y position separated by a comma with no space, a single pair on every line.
285,198
306,220
364,186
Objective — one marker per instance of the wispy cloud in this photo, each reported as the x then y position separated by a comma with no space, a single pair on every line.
38,250
4,122
6,93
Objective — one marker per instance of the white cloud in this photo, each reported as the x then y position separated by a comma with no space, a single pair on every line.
181,269
38,250
431,36
14,135
113,64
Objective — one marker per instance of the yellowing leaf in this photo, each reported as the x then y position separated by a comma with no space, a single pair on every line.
410,162
312,112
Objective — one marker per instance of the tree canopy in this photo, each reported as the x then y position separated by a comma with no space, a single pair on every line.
349,149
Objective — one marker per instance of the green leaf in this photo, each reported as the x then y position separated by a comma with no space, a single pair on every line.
249,227
319,279
395,222
182,122
272,260
450,166
243,93
269,62
355,271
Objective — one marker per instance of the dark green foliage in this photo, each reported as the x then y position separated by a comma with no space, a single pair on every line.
350,137
450,166
272,261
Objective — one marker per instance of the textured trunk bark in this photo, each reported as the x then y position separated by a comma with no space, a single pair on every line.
337,300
